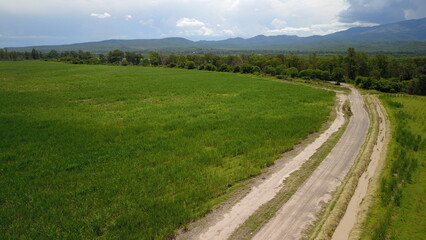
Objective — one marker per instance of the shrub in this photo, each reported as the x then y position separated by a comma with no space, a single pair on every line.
190,65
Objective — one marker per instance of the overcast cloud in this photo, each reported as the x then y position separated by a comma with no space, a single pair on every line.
29,22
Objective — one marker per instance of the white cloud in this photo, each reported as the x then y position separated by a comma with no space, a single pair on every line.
100,15
289,31
128,17
228,32
318,29
189,22
278,23
202,31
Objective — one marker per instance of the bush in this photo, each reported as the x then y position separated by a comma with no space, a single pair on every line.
236,69
247,68
292,72
270,70
210,67
224,68
190,65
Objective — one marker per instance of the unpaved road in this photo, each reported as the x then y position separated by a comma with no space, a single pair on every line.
300,209
348,220
226,222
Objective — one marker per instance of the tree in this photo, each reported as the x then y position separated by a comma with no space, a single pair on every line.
418,85
210,67
133,58
350,63
313,60
337,75
52,54
236,69
269,70
102,58
115,56
247,68
292,71
381,62
224,68
155,58
35,54
190,64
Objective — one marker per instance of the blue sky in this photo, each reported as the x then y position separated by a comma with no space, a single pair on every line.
50,22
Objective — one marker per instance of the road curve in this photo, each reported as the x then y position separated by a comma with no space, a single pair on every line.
221,223
299,211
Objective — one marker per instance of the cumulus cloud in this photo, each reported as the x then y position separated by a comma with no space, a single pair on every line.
318,29
278,23
189,22
228,32
202,31
128,17
383,11
100,15
194,27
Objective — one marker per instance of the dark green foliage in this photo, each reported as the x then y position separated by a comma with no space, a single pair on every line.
337,75
270,70
155,58
379,72
133,58
115,57
236,69
247,68
418,85
224,68
210,67
292,72
190,65
350,60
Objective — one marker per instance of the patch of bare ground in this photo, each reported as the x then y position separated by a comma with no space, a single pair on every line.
337,218
300,210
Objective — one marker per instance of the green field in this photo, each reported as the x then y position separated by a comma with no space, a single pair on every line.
134,153
399,209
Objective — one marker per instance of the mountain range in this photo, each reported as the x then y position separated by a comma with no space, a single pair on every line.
404,36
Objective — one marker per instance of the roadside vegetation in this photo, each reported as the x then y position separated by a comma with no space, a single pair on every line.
380,72
132,152
399,208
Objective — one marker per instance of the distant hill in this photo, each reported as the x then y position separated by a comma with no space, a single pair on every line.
405,36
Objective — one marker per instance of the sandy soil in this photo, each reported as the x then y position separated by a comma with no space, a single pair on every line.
225,221
300,210
348,221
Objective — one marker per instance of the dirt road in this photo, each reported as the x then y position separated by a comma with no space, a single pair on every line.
224,223
300,210
349,218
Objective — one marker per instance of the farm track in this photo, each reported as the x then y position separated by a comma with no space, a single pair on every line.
376,157
300,210
290,221
222,223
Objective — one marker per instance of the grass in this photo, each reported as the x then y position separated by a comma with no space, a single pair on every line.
399,207
256,221
106,152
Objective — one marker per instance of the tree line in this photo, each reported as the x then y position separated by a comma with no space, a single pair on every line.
380,72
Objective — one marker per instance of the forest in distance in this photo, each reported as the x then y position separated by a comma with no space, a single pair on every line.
380,72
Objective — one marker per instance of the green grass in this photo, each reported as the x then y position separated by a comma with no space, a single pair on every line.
399,208
108,152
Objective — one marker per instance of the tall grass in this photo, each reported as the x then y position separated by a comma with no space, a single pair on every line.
134,153
399,207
